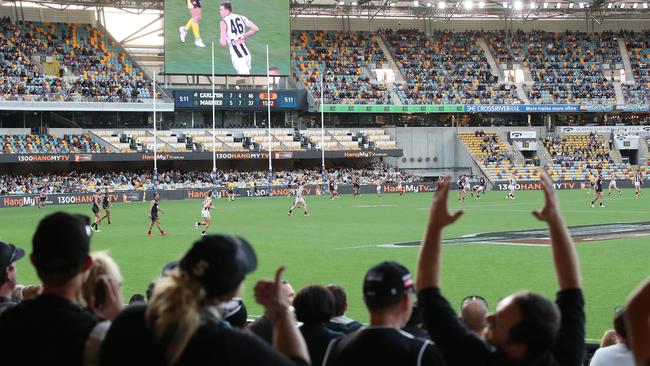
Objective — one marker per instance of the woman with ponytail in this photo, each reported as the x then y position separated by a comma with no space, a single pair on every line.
182,326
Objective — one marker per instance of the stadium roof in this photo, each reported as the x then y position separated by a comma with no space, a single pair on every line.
523,9
506,9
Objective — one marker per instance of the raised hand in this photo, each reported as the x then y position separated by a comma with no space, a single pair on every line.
269,293
439,215
551,209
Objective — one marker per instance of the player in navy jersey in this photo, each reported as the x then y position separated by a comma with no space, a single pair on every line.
153,214
598,189
97,199
107,205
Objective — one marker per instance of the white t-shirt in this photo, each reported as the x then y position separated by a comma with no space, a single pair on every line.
618,355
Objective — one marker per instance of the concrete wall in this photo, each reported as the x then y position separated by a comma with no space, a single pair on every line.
431,151
15,131
59,132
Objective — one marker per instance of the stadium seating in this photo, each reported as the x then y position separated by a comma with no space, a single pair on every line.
487,148
345,57
566,67
578,147
90,65
46,144
446,68
638,48
582,171
501,171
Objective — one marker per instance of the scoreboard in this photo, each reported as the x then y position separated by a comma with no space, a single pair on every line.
236,99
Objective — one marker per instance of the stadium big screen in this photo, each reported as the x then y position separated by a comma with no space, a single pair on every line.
184,53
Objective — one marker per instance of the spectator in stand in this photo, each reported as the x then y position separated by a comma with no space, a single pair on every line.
609,338
53,323
263,326
637,319
473,312
179,326
526,329
314,306
388,294
234,312
9,255
618,354
340,322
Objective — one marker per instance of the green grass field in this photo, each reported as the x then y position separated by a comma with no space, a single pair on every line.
337,243
271,16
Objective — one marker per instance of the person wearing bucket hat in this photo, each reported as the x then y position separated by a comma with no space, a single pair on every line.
9,254
181,325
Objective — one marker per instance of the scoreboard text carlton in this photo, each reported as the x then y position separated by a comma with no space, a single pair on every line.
235,99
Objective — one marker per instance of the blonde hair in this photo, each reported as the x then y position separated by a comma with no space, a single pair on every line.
174,312
103,265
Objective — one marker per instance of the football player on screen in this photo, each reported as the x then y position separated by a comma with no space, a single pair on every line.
193,23
233,35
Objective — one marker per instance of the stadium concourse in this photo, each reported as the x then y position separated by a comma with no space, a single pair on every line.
453,97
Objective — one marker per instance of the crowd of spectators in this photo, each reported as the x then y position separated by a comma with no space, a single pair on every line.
91,67
12,184
445,68
570,148
190,315
566,67
44,144
638,48
343,59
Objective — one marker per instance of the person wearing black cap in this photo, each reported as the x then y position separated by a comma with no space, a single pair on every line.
9,254
388,294
53,323
527,328
180,326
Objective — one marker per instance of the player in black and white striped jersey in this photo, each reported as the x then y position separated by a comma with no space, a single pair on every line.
234,35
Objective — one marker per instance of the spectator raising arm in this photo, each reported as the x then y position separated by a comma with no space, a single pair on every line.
439,217
638,323
286,336
565,258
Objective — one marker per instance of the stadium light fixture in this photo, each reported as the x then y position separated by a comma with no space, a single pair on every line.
505,5
468,4
558,6
393,4
635,6
429,4
645,5
518,5
545,5
481,4
570,5
582,5
442,5
622,5
354,3
341,2
533,5
416,3
609,6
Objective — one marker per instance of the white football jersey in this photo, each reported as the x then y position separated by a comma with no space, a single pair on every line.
236,25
